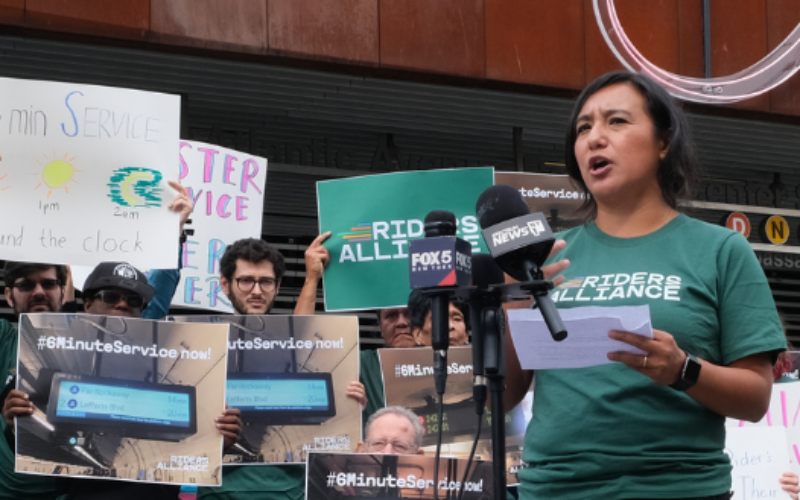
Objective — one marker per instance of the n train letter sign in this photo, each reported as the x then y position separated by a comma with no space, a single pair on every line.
775,230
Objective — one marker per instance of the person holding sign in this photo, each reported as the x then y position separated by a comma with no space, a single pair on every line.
392,429
647,425
789,481
395,327
250,275
29,288
317,258
35,287
406,327
419,308
118,289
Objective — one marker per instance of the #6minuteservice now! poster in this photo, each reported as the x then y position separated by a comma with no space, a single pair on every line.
121,398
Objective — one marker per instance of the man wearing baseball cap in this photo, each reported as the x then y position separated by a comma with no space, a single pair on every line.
117,289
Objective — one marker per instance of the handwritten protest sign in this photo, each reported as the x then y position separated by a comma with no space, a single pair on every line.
759,457
288,376
374,217
121,398
783,412
344,476
84,172
227,188
407,376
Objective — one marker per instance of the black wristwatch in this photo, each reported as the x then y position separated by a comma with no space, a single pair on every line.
689,374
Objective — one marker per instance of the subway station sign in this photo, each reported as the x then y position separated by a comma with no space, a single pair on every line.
772,229
776,261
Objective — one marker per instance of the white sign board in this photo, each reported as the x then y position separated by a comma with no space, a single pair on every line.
783,412
759,457
227,188
83,175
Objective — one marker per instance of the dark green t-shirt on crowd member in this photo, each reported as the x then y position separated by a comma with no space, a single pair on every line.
610,432
370,375
264,482
12,484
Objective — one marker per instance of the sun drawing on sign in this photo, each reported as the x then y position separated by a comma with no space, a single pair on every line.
57,173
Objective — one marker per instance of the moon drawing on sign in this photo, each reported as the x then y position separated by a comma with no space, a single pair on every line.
135,187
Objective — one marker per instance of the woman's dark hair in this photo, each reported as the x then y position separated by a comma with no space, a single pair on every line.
251,250
679,171
419,305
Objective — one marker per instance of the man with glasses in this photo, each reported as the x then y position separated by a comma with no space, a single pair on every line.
392,430
29,288
116,289
251,272
250,275
45,288
35,287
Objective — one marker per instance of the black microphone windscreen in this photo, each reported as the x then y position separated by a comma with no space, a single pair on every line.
500,203
485,271
440,223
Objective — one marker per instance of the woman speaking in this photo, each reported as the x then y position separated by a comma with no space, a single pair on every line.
647,426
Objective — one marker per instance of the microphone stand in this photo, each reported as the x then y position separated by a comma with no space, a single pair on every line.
489,365
440,341
494,365
489,337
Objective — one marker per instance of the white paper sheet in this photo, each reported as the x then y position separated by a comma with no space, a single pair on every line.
587,343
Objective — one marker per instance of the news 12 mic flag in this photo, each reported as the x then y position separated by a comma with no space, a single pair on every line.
373,219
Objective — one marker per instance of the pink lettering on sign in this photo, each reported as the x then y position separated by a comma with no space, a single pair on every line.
227,170
222,206
249,173
783,409
241,204
184,165
208,163
185,253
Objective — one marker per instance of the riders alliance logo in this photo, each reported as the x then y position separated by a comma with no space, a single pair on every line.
386,240
619,286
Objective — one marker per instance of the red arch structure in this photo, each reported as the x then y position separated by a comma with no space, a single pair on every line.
774,69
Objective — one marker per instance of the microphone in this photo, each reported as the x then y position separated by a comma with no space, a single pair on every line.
520,243
488,325
438,264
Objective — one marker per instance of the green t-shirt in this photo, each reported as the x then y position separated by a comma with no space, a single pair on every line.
610,432
265,482
12,484
372,379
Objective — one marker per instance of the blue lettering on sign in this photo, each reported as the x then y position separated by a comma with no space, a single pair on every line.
74,118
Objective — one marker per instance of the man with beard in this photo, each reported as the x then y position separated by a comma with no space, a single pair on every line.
29,288
117,289
45,288
250,275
